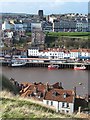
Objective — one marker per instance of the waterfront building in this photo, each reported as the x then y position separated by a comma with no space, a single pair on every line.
54,54
84,54
60,54
33,52
74,53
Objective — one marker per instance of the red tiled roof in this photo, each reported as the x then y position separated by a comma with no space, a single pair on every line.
32,88
60,95
26,93
74,50
26,83
80,50
57,85
48,91
65,50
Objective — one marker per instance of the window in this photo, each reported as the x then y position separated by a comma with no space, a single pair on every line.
67,104
63,104
47,102
51,103
67,111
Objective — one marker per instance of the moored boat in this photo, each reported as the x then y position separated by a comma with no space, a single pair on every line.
17,63
80,68
53,67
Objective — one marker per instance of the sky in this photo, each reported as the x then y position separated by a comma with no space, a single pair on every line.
48,6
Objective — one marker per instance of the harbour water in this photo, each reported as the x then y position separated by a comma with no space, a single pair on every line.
68,77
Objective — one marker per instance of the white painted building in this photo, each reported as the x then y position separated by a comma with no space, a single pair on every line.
52,18
59,54
61,100
84,53
9,34
74,54
6,26
33,52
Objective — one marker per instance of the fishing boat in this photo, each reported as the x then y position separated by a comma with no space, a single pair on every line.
18,63
53,67
79,68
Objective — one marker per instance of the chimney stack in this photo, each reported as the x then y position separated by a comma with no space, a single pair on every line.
74,90
47,86
35,90
60,84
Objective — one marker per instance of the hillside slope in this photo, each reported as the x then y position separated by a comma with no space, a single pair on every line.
6,84
18,107
14,106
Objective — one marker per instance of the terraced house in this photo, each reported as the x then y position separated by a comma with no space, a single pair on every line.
58,53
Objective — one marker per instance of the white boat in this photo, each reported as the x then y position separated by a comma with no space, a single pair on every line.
80,68
53,67
18,63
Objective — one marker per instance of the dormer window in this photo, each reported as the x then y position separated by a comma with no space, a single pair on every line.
64,95
55,93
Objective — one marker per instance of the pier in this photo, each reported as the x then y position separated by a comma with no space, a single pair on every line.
41,62
61,65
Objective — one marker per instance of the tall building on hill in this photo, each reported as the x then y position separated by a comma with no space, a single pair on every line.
40,14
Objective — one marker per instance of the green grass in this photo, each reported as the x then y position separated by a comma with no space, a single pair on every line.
17,107
28,34
14,106
58,34
73,34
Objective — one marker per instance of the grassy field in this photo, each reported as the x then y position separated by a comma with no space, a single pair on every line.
17,107
58,34
72,34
